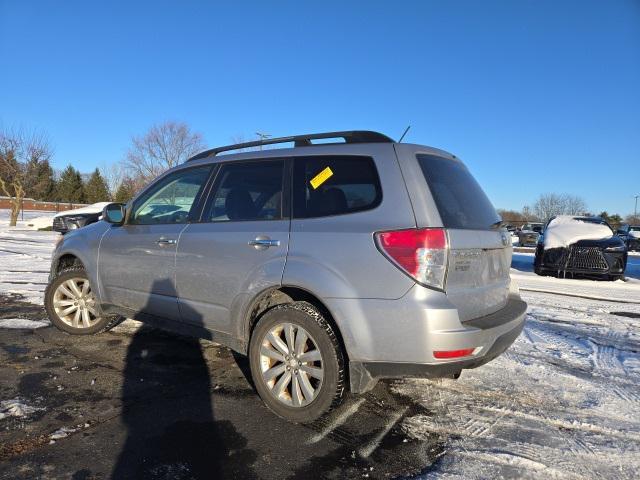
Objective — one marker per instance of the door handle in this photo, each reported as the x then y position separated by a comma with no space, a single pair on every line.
261,243
165,241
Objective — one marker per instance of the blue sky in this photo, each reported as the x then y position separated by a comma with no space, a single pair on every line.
535,96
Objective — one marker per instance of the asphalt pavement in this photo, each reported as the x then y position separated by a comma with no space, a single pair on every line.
140,403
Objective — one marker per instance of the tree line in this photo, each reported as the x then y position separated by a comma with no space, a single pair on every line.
550,204
26,171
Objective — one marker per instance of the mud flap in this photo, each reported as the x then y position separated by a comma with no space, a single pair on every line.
360,380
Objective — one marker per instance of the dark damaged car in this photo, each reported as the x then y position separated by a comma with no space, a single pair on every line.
580,246
78,218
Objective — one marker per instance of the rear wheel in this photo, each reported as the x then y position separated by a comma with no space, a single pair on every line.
71,304
296,362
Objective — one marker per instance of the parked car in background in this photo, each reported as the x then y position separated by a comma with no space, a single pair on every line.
529,233
631,236
330,265
78,218
584,246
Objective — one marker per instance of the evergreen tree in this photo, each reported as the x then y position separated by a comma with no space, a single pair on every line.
96,188
126,191
70,186
39,181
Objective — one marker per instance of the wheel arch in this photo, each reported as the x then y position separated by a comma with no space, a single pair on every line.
66,260
284,294
71,257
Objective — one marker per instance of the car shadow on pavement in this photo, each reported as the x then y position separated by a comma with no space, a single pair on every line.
168,413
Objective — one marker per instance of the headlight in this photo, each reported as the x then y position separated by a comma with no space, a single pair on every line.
76,222
620,248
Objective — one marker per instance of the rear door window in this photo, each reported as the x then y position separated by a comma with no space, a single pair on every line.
460,200
334,185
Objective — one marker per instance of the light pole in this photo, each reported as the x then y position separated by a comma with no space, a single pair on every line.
635,208
263,136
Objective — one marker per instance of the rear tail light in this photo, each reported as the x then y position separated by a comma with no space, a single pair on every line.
453,353
421,253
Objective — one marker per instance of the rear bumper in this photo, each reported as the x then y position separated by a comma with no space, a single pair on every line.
528,239
365,375
398,338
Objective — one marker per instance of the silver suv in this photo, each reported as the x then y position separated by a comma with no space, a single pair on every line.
330,265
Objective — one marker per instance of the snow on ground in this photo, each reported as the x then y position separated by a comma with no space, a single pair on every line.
624,291
16,408
22,323
25,254
562,402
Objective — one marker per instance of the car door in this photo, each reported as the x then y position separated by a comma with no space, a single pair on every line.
240,245
136,265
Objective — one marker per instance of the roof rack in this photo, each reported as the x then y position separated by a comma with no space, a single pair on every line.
352,136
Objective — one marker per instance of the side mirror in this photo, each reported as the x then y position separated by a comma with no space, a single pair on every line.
114,213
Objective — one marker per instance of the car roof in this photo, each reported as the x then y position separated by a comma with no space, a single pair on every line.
347,136
355,142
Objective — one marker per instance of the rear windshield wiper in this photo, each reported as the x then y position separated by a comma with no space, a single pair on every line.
498,224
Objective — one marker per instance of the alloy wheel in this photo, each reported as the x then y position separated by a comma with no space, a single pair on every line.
291,364
75,303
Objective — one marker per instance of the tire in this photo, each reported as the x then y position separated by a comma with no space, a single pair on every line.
537,269
302,405
54,297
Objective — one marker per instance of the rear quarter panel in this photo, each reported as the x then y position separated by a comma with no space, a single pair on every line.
336,256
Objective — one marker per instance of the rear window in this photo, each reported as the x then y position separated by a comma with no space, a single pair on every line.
460,200
334,185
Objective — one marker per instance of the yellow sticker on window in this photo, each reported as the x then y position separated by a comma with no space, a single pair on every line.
320,178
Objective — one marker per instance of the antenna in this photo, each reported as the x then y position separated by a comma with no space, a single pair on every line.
405,132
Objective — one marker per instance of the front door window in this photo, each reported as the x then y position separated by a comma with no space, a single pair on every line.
171,200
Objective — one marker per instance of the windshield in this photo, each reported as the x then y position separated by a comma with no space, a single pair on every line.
460,200
593,220
597,221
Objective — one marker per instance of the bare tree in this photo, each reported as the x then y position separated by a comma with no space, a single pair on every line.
511,216
574,205
17,149
162,147
528,214
550,204
632,219
114,175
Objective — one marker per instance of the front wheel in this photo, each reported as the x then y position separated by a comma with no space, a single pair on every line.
297,362
71,304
